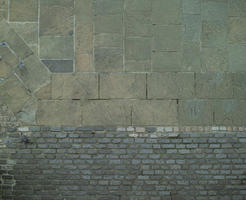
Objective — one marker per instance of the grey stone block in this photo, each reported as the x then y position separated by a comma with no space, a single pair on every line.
59,66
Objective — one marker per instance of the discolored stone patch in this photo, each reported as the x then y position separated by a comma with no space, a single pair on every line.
239,85
192,28
108,7
237,58
237,8
237,30
192,6
59,66
108,24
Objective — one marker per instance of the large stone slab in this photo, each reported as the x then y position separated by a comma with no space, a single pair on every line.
84,37
108,7
237,30
154,112
214,85
195,112
106,112
84,62
108,24
8,57
59,66
192,28
122,85
24,10
33,73
237,58
3,4
192,7
166,11
239,85
13,94
56,17
138,65
171,85
75,86
137,6
167,38
58,113
237,8
108,40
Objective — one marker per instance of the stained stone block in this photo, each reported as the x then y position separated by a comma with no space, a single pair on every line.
214,60
13,94
237,30
191,57
138,66
195,112
56,17
84,37
33,73
239,85
192,26
108,24
58,113
171,85
84,63
214,85
108,40
108,7
214,35
154,112
59,66
237,8
166,61
24,10
3,4
166,11
108,59
56,47
138,48
105,112
122,85
75,86
192,6
237,58
140,6
167,38
214,10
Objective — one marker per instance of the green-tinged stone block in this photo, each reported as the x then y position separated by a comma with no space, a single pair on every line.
192,7
154,112
108,59
106,112
214,35
83,11
75,86
171,85
237,30
123,85
108,40
239,85
3,14
138,66
167,38
56,17
237,8
3,4
191,57
167,12
138,6
138,48
56,47
108,24
33,73
59,66
59,113
237,58
13,94
214,60
108,7
195,112
166,61
214,85
192,28
23,10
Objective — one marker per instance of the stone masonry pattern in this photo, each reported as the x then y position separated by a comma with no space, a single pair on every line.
124,62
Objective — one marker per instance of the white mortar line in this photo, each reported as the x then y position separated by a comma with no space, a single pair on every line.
74,36
38,28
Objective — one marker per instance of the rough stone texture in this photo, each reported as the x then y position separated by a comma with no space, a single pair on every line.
59,66
237,30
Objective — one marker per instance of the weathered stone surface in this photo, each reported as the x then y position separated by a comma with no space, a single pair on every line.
108,59
8,57
171,85
237,30
195,112
108,40
138,66
140,6
75,86
108,24
103,112
237,58
214,85
237,8
192,26
214,10
166,61
44,92
3,14
56,17
239,85
108,7
122,85
214,35
13,94
56,47
84,37
166,12
24,10
155,112
167,38
33,73
59,66
5,69
57,113
84,63
3,4
138,48
214,60
191,6
191,57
